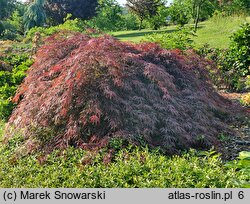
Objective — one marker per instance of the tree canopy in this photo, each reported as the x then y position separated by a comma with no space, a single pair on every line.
109,16
182,11
144,8
57,10
35,14
6,8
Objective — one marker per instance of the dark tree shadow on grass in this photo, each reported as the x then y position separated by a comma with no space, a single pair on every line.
143,33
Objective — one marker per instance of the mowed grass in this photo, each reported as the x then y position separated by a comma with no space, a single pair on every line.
137,36
216,32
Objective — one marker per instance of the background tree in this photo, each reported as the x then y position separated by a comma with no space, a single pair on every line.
16,20
109,16
1,28
13,26
129,20
11,21
159,19
197,5
241,5
35,15
57,10
202,7
180,12
6,8
144,8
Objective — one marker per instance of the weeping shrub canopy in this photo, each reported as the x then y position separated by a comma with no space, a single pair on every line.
81,91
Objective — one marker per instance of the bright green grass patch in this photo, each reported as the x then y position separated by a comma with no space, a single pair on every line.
138,36
130,167
217,31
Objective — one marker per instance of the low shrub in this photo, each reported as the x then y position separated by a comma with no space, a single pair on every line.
242,165
76,25
130,167
247,82
10,80
233,63
220,77
240,56
180,39
245,100
5,47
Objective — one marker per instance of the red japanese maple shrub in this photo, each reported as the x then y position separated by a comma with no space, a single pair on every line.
82,91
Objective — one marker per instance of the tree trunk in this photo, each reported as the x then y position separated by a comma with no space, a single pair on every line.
197,17
140,26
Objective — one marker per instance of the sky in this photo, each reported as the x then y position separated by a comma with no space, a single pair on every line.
121,1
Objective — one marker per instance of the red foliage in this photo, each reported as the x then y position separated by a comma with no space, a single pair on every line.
84,88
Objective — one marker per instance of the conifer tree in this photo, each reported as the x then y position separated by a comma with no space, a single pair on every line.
35,14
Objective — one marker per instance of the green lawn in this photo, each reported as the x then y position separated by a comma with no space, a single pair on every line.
215,32
138,36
